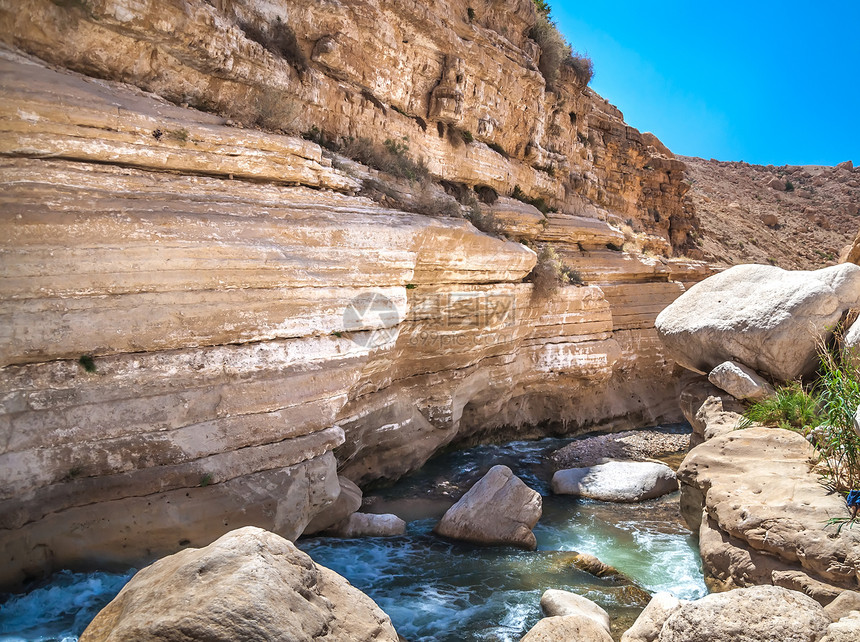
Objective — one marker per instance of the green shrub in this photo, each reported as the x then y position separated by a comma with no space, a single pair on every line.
471,13
789,186
392,157
553,48
571,276
548,274
838,394
543,8
538,203
824,413
792,408
87,362
498,149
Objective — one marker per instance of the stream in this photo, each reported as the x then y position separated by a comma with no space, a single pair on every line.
441,591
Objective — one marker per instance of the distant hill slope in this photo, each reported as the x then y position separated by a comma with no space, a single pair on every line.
747,215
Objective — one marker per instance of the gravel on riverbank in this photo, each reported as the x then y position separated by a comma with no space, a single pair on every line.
664,443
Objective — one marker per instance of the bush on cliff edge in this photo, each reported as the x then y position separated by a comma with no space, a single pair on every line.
555,51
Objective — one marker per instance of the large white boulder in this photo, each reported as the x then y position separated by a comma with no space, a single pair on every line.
754,614
763,316
616,481
249,585
498,510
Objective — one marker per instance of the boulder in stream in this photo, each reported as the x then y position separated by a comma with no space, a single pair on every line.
368,525
567,627
249,585
616,481
647,626
498,510
562,603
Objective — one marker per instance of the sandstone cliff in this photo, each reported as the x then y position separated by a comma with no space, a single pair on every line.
203,324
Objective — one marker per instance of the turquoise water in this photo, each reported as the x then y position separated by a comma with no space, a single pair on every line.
60,609
441,591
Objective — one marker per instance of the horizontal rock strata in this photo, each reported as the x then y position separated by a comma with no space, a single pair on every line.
380,69
204,324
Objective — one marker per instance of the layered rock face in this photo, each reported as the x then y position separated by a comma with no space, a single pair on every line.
379,69
203,324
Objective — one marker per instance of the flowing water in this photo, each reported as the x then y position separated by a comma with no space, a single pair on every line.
441,591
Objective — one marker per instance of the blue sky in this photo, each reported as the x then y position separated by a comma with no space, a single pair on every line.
760,81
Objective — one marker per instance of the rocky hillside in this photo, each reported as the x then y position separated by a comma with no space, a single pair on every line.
793,217
206,320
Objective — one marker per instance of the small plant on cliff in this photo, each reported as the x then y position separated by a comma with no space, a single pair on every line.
582,66
486,222
553,48
498,149
789,186
573,277
179,135
538,203
391,157
543,8
87,362
548,274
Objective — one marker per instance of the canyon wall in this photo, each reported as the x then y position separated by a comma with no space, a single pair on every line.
203,323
